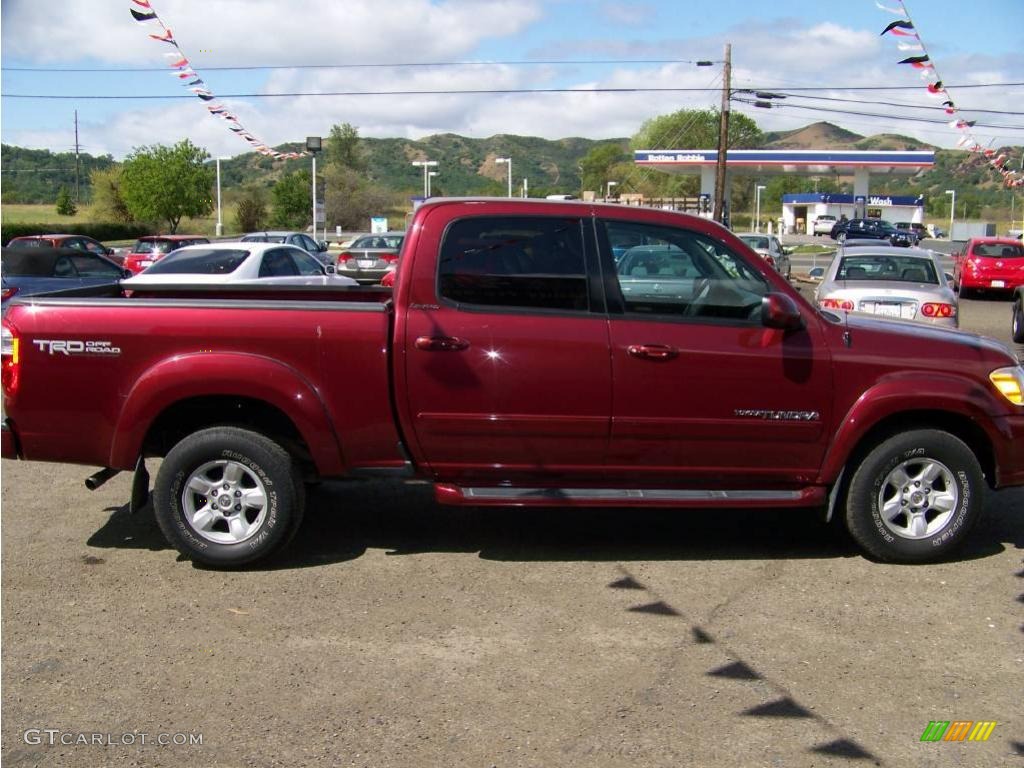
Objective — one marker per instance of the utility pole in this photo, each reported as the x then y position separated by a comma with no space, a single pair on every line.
723,135
76,156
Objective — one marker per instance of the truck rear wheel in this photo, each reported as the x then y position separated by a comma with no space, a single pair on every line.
914,497
227,497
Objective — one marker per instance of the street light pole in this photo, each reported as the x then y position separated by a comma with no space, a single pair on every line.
220,221
506,161
952,210
430,175
313,145
757,207
426,165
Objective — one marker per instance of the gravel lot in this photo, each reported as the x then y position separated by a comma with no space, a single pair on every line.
399,633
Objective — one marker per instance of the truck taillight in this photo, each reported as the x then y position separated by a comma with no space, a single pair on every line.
938,310
837,304
10,359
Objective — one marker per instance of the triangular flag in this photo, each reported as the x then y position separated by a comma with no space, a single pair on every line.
902,29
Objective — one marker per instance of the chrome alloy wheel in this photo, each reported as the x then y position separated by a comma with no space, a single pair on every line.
918,498
224,502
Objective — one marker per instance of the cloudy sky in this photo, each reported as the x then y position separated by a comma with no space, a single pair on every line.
273,63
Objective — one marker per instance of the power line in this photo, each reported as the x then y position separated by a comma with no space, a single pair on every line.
367,65
439,92
890,103
910,118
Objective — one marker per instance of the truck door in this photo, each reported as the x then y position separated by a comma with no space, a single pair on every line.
704,395
506,350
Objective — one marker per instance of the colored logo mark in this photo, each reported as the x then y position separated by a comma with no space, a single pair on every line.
958,730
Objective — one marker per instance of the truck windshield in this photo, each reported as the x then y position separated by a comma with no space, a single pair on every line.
200,261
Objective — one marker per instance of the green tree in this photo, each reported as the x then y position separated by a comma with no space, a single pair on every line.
343,148
65,205
596,165
689,129
293,201
107,202
696,129
351,200
165,184
251,210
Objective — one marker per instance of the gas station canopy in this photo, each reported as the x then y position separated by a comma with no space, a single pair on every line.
808,162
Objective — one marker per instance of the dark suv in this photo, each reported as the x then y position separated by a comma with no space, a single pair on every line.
873,229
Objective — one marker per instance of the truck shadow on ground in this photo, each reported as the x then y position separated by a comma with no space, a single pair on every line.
344,520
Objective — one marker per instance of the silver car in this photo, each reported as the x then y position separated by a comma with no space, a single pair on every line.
903,283
770,249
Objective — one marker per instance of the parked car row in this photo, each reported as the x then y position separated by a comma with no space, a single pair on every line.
868,275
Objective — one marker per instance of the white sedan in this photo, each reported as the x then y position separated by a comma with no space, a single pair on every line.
237,264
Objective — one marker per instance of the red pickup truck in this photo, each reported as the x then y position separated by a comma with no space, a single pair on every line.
531,353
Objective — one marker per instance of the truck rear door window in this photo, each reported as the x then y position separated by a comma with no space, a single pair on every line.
516,262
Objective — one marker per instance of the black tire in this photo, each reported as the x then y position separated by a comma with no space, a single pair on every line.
257,473
956,481
1017,325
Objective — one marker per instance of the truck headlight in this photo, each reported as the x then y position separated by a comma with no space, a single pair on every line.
1010,383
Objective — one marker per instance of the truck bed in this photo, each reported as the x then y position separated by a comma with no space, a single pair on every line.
320,355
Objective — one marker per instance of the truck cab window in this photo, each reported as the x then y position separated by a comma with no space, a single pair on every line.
516,262
675,272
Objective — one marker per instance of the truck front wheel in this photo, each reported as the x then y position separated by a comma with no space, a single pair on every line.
914,497
227,496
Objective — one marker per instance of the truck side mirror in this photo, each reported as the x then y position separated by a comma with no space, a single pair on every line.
780,311
330,269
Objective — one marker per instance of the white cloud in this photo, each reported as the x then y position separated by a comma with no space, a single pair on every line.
258,32
773,55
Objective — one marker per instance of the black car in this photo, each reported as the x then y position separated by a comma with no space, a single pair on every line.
25,271
872,229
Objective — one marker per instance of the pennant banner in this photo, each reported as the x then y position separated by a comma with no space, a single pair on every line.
904,29
182,70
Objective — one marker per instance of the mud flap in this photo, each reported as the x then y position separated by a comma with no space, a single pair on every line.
140,487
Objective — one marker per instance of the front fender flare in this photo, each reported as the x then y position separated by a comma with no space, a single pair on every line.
907,392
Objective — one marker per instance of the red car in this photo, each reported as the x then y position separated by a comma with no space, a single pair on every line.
152,248
79,242
989,263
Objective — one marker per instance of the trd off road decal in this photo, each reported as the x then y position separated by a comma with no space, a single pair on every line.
71,347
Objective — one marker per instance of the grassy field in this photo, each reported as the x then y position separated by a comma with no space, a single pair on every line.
47,214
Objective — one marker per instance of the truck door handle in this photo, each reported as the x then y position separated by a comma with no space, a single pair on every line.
441,343
652,351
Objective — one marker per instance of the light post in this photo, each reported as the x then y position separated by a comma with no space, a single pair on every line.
757,207
220,220
430,175
952,210
313,145
611,184
508,161
426,165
